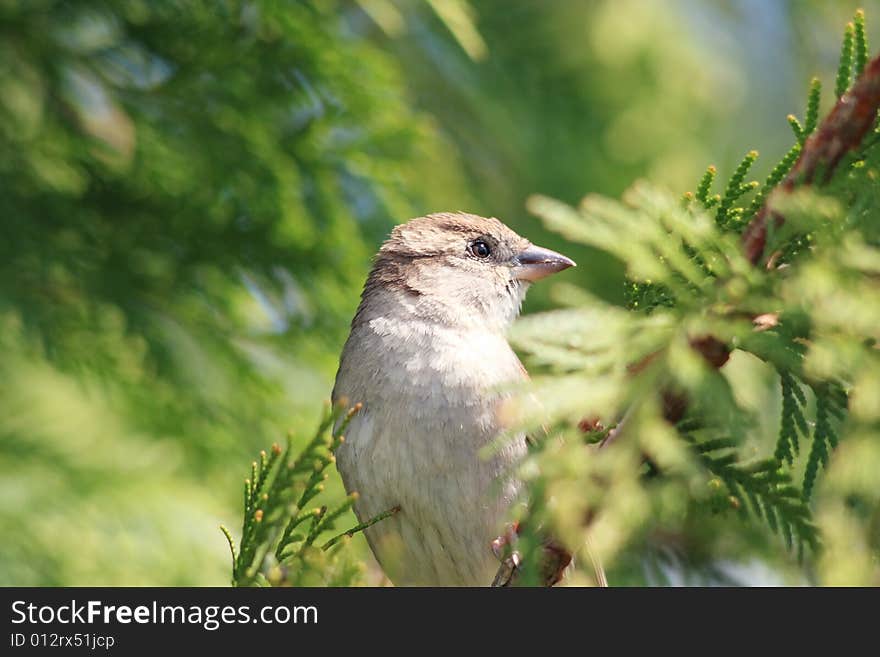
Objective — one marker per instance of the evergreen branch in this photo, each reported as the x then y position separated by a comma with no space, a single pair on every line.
763,489
275,499
734,189
829,402
360,527
324,519
842,131
861,45
796,127
705,184
745,188
231,543
844,68
792,418
773,178
811,118
332,515
799,394
317,518
818,456
297,517
767,488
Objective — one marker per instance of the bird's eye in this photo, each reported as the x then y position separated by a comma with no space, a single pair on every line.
479,249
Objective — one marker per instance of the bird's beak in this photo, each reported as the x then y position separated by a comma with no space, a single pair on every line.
534,263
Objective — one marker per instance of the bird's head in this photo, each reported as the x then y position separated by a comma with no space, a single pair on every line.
462,269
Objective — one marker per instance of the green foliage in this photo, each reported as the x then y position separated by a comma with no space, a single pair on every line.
811,323
830,401
191,194
777,174
793,422
801,132
735,188
812,115
280,535
845,68
861,43
705,185
764,487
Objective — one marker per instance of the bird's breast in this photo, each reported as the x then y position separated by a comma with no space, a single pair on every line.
431,402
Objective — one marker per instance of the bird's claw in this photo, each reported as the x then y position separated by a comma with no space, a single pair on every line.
508,538
510,559
507,570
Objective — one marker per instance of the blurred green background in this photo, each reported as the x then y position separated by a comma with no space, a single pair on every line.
191,193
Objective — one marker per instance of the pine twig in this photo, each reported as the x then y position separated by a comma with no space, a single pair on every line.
360,527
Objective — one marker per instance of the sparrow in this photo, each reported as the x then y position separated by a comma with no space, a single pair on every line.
428,359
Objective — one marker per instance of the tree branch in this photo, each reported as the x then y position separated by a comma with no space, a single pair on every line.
842,131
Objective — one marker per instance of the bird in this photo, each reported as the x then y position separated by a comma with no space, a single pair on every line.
428,360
